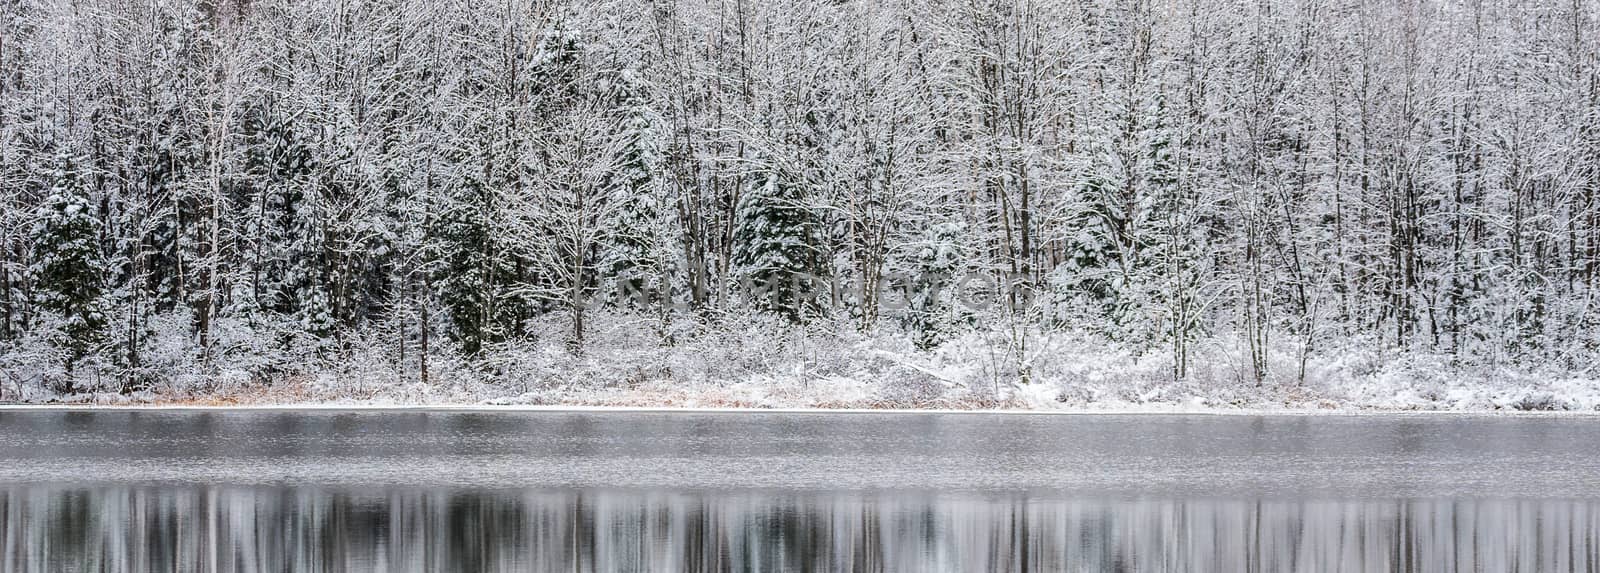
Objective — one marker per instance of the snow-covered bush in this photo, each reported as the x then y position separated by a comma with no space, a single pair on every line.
31,367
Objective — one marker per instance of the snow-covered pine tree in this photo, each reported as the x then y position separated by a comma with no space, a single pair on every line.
1097,283
304,287
636,256
68,267
466,263
486,229
468,269
1108,280
286,252
776,246
1177,262
275,167
934,269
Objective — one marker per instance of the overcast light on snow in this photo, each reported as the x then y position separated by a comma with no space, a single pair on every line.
604,286
1050,204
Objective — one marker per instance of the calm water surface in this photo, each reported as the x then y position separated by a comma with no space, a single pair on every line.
632,491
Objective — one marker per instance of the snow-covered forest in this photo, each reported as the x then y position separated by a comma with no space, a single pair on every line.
1390,202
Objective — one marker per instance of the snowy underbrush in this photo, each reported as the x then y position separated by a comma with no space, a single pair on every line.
628,361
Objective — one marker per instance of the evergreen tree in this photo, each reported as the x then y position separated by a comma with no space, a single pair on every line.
777,246
286,270
636,256
165,165
68,267
935,269
275,165
1177,264
470,270
1117,232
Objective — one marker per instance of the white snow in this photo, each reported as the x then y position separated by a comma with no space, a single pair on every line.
760,367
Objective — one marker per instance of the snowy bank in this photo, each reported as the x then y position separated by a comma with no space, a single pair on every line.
841,369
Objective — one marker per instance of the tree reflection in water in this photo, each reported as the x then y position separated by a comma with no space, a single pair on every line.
306,529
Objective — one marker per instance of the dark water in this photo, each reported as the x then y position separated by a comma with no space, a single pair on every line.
542,491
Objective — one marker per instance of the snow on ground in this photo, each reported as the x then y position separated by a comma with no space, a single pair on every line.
842,369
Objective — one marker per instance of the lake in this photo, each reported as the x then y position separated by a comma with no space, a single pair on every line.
448,490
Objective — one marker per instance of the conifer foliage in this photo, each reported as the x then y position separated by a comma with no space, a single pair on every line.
68,268
778,252
259,191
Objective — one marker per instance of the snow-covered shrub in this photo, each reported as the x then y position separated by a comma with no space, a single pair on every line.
250,350
170,358
1540,401
904,386
31,366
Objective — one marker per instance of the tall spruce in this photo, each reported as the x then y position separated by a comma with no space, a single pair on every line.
68,266
777,248
637,257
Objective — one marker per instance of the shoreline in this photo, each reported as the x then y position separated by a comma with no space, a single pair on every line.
492,408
